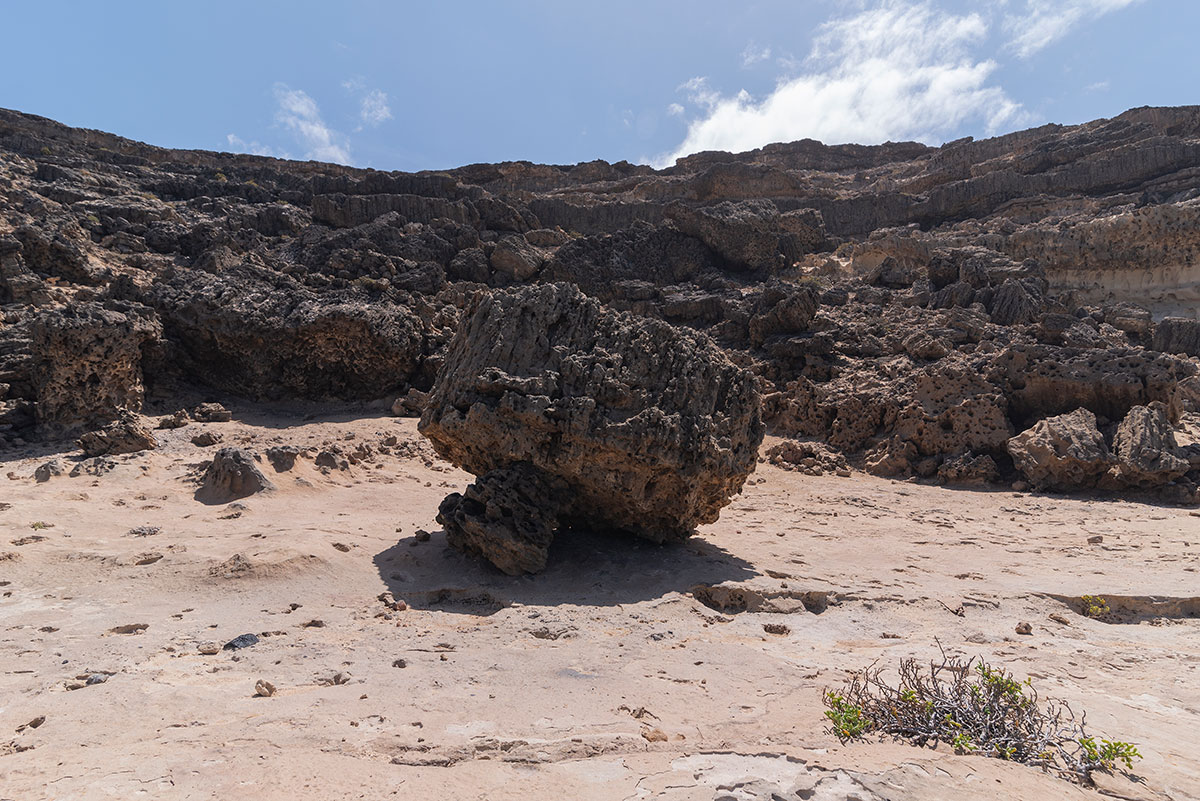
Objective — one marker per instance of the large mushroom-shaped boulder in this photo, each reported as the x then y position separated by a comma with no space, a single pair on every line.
597,418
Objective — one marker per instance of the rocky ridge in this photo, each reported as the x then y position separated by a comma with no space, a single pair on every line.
915,310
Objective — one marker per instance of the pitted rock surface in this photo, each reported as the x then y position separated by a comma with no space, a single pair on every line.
651,428
233,473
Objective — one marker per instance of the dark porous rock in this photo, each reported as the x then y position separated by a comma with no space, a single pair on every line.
508,516
782,310
1178,335
233,473
211,413
52,468
1147,455
282,457
177,420
410,404
206,439
514,259
752,234
651,428
88,363
969,468
1066,452
127,434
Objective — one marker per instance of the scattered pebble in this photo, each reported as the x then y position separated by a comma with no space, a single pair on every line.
241,641
776,628
264,688
654,735
33,724
1024,628
209,648
315,623
129,628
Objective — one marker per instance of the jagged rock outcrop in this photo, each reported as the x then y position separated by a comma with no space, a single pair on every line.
651,428
909,307
752,234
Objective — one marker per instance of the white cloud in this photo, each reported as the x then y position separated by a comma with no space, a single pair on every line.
298,113
901,70
375,108
675,110
754,54
1043,22
239,145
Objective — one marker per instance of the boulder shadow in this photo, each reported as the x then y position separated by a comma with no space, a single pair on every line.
585,568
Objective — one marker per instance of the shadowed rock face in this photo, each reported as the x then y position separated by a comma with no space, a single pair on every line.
911,307
645,427
233,473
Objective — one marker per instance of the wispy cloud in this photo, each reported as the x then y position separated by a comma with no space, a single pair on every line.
299,114
900,70
239,145
753,54
1040,23
375,108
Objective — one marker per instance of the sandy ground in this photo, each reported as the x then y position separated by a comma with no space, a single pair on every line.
606,677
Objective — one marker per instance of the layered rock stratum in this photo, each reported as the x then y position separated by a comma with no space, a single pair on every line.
911,308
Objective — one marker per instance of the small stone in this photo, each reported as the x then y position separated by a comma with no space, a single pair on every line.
54,467
654,735
1095,539
776,628
144,531
147,558
33,724
315,623
399,663
209,648
1024,628
241,641
206,439
129,628
1057,618
341,546
212,413
96,678
264,688
422,535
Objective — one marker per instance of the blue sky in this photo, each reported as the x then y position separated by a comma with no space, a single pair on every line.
430,85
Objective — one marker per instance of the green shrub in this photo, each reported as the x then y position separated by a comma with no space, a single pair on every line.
976,709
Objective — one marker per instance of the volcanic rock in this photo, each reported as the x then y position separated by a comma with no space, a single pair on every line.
233,473
1066,452
651,429
1145,448
88,362
125,435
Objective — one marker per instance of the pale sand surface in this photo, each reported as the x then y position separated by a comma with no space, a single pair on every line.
552,686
